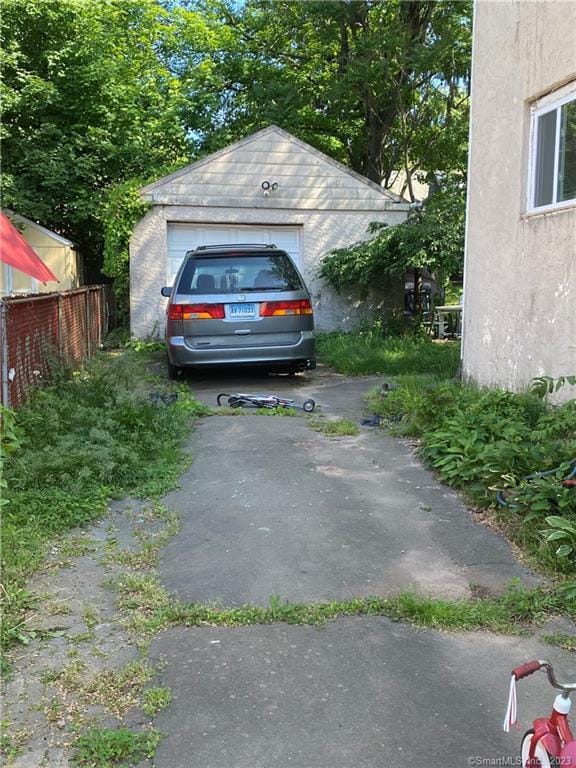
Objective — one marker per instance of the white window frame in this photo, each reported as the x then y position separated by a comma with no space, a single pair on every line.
542,107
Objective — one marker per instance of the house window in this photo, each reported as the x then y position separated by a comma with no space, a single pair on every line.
554,154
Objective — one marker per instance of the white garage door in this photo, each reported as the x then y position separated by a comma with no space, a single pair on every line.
186,237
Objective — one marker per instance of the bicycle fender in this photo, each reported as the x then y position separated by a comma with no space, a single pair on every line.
545,734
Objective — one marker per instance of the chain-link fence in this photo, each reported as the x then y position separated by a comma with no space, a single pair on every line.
38,331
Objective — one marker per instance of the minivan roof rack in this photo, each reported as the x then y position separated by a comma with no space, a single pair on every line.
232,245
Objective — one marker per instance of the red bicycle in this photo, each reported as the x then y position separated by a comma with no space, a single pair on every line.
549,743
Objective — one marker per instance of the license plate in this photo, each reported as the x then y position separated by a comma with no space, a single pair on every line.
241,311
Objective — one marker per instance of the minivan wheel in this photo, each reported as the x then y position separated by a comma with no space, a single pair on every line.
174,371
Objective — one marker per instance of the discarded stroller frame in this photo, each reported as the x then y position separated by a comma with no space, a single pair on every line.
239,400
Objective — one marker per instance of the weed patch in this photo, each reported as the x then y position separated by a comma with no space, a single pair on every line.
155,699
12,739
146,556
335,428
106,748
151,609
367,352
561,640
227,410
76,444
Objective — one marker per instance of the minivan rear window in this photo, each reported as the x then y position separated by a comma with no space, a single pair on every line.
234,273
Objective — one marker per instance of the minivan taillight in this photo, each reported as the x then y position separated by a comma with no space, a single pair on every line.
296,307
196,312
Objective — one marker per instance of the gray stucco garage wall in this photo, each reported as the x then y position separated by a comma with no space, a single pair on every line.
321,231
520,279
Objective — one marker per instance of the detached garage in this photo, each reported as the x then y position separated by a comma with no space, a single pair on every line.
270,188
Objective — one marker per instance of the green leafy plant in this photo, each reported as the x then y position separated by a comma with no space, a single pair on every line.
432,238
562,531
487,440
9,442
155,699
113,748
546,385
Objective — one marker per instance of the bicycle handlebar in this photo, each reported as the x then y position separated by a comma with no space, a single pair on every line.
526,669
533,666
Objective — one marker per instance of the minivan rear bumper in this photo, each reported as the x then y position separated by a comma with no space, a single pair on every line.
300,354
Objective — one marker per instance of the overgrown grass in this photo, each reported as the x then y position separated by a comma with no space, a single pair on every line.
561,640
108,747
367,352
148,608
82,441
335,428
482,441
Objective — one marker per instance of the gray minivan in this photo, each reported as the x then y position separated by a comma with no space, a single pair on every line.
239,305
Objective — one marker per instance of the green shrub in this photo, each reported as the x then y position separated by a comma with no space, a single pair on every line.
484,440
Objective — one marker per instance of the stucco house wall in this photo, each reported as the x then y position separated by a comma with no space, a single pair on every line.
520,273
331,205
57,252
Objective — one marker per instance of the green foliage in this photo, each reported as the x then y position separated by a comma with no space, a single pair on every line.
546,385
379,86
88,100
366,352
98,96
121,210
481,441
474,446
562,531
432,238
114,748
155,699
83,441
9,443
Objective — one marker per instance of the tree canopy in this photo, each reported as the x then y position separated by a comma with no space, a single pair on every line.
381,86
100,93
87,101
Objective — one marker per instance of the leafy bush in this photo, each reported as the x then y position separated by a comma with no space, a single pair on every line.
484,440
432,238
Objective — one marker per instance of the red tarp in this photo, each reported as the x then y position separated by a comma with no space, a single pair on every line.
18,253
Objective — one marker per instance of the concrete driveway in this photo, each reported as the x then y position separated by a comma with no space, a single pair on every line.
270,507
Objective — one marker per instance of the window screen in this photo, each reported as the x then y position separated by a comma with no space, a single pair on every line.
545,159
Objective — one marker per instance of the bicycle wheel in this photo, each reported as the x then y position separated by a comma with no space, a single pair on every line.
541,759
